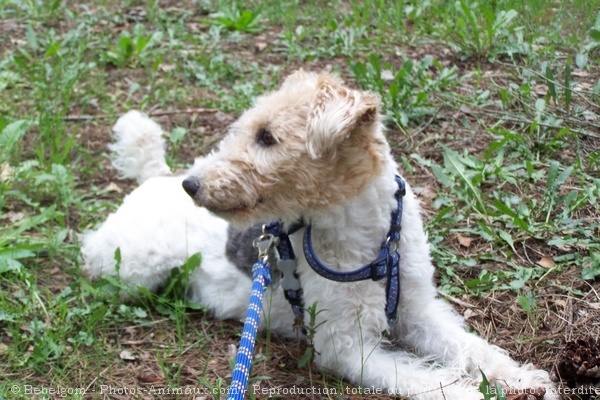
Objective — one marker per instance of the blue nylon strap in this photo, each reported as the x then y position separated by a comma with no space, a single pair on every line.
386,265
261,278
376,270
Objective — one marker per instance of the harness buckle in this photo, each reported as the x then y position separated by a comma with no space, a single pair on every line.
264,244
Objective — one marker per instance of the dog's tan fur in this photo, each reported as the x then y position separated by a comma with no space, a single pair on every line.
301,116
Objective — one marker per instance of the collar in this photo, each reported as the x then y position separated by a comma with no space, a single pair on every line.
386,265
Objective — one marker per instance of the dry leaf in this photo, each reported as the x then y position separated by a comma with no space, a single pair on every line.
425,192
468,314
126,355
465,109
191,372
546,262
260,46
113,187
232,350
387,75
580,73
3,348
167,67
149,377
6,171
13,216
564,247
464,241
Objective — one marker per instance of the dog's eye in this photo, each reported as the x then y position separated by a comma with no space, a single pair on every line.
265,138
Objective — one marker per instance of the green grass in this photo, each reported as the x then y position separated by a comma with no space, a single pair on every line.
492,110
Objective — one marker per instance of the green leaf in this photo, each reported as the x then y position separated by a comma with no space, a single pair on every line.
441,176
590,273
126,47
595,34
507,238
31,37
177,135
551,83
581,60
485,388
454,164
503,208
568,92
15,254
499,391
524,303
552,173
9,264
306,357
12,134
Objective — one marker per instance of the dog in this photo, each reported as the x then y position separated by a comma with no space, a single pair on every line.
312,151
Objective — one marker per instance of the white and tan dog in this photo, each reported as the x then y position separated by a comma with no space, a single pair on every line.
314,150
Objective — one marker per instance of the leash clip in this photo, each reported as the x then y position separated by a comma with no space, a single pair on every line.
264,244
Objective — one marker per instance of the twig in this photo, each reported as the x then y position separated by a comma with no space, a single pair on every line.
96,378
87,117
455,300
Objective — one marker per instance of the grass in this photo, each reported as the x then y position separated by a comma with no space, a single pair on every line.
492,110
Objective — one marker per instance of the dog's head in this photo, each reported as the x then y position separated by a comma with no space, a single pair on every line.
312,144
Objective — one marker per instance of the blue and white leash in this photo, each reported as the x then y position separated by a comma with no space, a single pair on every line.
261,278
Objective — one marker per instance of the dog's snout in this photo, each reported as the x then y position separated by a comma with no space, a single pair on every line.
191,185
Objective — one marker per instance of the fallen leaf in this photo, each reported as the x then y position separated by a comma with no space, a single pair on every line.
260,46
232,350
167,67
546,262
3,348
464,240
149,377
465,109
425,192
468,314
113,187
560,303
387,75
6,171
13,216
580,73
191,372
564,247
126,355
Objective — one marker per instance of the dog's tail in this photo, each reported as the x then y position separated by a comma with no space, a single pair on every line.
138,151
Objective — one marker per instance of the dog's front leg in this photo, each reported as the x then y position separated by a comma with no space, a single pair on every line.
433,329
347,346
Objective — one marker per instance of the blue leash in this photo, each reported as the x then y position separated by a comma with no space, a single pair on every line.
261,277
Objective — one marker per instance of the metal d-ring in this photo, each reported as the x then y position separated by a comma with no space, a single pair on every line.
264,244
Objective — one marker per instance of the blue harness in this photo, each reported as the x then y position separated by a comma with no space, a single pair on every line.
386,265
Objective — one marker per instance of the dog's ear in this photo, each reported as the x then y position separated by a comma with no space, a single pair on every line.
335,113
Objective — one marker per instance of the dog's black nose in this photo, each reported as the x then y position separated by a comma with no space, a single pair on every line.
191,186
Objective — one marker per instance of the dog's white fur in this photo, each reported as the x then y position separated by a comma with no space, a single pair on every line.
331,166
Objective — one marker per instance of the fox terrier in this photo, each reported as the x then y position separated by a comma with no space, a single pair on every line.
311,155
